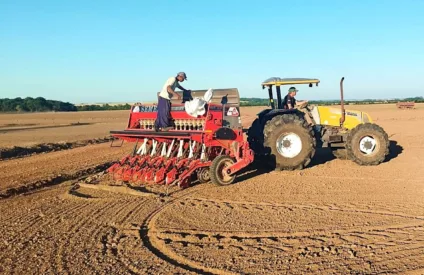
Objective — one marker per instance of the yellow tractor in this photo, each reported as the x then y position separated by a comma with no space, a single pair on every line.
288,138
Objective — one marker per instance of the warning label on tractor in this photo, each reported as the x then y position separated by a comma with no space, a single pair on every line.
232,111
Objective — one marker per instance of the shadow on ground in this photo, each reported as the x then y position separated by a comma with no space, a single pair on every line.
322,156
259,166
394,150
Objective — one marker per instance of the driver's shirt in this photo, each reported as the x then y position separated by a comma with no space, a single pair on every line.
288,99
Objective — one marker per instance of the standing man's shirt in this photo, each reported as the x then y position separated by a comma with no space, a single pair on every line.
289,100
173,82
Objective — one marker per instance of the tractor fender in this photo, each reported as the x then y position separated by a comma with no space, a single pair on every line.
268,114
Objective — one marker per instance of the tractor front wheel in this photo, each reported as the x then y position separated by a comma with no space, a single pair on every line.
367,144
218,170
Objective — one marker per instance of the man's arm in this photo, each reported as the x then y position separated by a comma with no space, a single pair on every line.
181,87
291,102
173,92
301,103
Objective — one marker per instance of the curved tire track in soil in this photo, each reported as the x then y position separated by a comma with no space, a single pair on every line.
72,233
111,236
99,233
148,234
96,232
81,225
377,246
158,240
257,205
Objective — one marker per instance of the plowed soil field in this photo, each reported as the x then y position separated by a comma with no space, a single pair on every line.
334,217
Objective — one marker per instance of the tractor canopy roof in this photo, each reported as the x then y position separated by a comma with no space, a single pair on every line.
278,81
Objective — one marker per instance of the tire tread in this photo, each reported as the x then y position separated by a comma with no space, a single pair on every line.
379,158
279,121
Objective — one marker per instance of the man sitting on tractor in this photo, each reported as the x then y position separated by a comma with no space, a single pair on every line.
163,119
289,101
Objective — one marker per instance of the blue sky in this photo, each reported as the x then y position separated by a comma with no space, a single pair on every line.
117,51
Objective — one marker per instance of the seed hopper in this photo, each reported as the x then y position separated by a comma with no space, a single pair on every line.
209,146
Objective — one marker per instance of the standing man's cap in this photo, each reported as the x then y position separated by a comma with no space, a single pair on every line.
183,74
293,89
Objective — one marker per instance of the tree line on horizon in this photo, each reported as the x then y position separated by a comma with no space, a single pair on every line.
40,104
103,107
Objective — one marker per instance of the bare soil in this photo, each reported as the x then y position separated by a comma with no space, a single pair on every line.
334,217
29,129
39,170
17,151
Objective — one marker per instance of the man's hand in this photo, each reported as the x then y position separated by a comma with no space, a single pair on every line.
177,95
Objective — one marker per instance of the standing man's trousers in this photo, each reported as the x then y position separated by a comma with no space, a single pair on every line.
164,113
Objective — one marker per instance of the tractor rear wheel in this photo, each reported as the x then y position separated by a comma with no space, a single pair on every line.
367,144
218,170
291,142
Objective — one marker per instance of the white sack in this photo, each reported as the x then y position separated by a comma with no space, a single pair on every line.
196,107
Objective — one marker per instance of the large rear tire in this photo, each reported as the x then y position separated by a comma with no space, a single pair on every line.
218,172
290,142
367,144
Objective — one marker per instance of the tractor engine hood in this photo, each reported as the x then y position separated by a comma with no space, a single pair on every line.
324,115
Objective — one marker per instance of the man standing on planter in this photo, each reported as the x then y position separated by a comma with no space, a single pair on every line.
163,120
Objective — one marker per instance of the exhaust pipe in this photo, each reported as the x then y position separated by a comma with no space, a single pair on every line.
342,119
